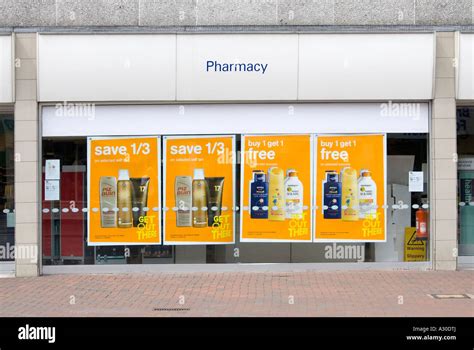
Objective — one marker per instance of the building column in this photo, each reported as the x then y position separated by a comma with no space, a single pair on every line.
27,243
443,157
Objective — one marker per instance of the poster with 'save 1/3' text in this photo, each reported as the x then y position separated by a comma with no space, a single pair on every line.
350,188
276,188
124,191
199,193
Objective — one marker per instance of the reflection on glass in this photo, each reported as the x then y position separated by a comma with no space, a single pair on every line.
7,215
65,233
465,149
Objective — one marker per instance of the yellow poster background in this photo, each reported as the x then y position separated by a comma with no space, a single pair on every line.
140,156
214,154
363,152
290,152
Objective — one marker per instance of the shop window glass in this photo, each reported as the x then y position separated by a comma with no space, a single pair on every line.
465,150
7,208
64,232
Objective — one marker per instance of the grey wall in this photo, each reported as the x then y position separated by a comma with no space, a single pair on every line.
136,13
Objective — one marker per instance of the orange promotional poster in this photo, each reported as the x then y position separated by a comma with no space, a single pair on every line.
124,191
350,188
199,193
276,188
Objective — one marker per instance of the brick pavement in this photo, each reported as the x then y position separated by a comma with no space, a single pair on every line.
312,293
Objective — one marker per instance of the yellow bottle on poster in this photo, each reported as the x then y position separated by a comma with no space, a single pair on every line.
199,199
276,197
350,195
124,200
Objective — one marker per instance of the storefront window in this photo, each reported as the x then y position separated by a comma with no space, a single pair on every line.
465,147
7,217
64,219
64,224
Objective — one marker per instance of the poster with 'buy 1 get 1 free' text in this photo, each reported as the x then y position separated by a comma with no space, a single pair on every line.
350,188
199,192
124,191
276,188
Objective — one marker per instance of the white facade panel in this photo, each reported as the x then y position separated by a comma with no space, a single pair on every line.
365,66
465,72
107,67
6,69
236,67
234,119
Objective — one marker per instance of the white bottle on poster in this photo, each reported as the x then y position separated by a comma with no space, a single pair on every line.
293,195
367,195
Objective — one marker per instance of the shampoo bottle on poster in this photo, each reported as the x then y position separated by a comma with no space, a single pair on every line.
108,201
276,210
332,196
215,189
183,187
258,196
139,198
367,195
199,199
124,200
350,200
293,195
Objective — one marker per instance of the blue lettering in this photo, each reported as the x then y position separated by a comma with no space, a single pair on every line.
210,64
236,67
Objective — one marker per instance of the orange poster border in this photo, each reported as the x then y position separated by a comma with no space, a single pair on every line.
158,155
312,191
315,177
195,243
